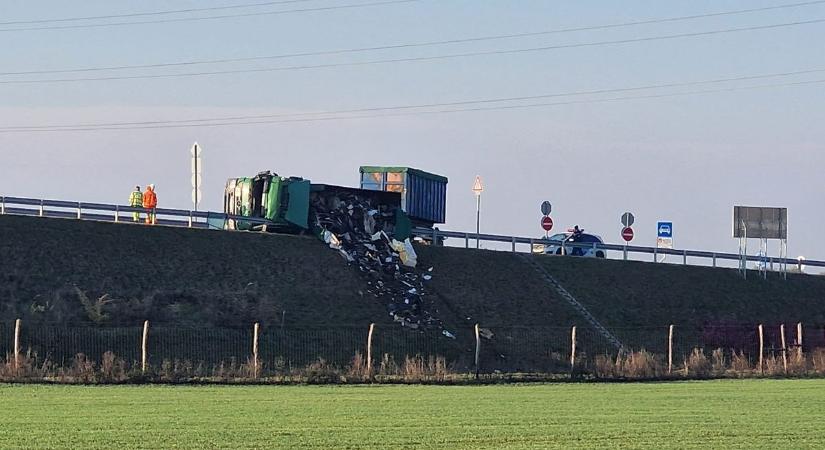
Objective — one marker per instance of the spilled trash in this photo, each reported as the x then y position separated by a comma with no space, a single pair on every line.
362,232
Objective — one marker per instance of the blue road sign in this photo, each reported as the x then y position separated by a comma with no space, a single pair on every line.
664,229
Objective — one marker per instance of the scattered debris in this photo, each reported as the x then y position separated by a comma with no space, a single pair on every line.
486,333
361,231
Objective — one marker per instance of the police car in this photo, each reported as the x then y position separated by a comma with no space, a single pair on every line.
556,248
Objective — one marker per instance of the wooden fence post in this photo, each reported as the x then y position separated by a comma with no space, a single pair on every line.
255,350
144,342
16,345
478,350
761,348
670,350
369,350
784,348
573,348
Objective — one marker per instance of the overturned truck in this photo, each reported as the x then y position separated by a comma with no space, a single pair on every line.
370,227
414,197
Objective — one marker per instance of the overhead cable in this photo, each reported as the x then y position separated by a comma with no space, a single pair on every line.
418,58
214,17
402,110
405,45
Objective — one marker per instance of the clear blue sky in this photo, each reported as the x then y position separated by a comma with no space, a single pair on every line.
688,159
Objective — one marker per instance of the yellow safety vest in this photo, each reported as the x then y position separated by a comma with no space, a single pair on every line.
136,199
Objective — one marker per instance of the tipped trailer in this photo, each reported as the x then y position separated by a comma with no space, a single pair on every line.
423,194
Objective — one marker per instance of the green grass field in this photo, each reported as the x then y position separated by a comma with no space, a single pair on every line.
710,414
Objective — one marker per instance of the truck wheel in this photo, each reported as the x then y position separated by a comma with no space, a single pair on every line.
600,254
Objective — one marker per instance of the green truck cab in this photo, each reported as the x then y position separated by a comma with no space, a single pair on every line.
283,201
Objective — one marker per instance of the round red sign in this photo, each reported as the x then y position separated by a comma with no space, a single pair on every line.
627,234
547,223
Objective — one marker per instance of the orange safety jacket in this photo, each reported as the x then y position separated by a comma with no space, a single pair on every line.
150,200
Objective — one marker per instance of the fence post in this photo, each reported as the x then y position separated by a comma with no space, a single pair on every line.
655,254
714,260
466,240
16,345
761,348
190,219
670,350
255,350
684,257
478,350
79,209
41,208
117,213
784,348
513,240
369,350
3,205
144,341
573,348
799,341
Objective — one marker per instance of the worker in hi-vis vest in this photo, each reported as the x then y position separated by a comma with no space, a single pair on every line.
136,201
150,202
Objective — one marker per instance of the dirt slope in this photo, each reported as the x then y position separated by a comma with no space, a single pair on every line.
213,277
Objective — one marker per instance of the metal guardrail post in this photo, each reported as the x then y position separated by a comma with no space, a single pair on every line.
190,223
117,213
655,254
79,211
466,240
684,257
41,208
435,236
513,241
714,260
2,205
532,243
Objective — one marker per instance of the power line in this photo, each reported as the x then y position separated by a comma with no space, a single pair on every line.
404,109
409,45
154,13
443,104
419,58
224,16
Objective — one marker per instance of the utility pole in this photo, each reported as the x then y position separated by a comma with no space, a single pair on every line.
197,178
477,190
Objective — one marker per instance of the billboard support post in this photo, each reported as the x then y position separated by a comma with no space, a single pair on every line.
761,223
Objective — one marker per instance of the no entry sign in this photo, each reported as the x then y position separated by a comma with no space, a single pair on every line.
547,223
627,234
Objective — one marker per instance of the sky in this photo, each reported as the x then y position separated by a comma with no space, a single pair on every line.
675,154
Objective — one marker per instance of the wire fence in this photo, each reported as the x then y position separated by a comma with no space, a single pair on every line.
485,350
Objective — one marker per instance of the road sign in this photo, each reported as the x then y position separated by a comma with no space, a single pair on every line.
546,208
664,235
628,219
627,234
664,229
547,223
477,187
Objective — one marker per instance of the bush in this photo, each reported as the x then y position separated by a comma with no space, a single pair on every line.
697,364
